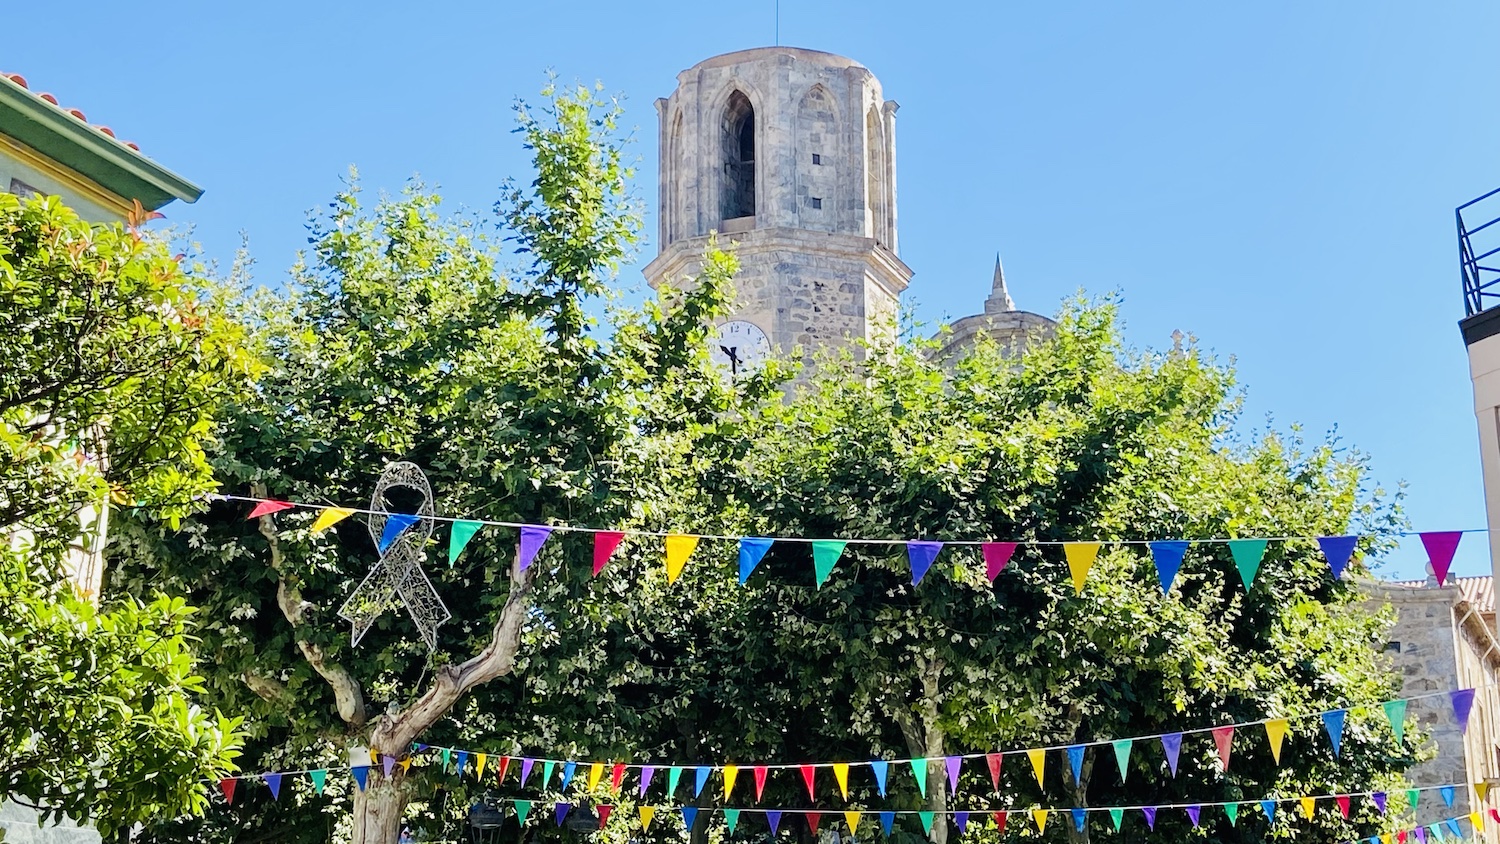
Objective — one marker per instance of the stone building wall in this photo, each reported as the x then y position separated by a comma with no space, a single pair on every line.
1441,642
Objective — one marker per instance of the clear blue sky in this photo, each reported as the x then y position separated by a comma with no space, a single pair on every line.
1276,178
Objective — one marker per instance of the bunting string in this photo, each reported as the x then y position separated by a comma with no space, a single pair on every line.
1167,554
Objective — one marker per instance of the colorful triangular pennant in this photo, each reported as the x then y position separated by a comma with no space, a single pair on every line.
1080,559
330,517
996,556
921,554
1276,731
1247,554
826,553
1337,550
605,543
267,507
1168,558
395,525
459,535
752,550
1333,724
1172,744
679,547
1440,546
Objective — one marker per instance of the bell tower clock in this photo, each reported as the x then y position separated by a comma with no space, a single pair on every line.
789,155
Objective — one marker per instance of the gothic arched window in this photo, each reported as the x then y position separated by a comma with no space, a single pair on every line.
739,158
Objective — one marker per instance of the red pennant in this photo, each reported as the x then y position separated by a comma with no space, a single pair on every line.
994,761
501,767
1223,738
617,775
1495,813
1343,801
227,786
807,776
269,506
996,555
1000,821
812,821
1400,836
604,814
760,781
605,543
1440,546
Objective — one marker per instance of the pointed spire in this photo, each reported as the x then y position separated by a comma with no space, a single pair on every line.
999,301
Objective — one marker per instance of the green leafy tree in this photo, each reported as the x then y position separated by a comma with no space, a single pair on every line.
1076,441
405,334
116,362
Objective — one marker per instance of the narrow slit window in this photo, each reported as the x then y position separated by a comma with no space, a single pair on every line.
817,159
815,201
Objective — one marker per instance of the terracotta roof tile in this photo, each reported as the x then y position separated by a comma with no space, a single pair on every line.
20,82
1478,591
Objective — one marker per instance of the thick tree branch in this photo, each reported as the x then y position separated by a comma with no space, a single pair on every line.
346,692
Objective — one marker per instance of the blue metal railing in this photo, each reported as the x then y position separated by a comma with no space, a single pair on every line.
1481,280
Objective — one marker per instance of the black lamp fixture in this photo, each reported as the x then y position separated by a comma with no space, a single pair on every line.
485,822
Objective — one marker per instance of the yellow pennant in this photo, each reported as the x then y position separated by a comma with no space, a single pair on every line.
330,517
1080,559
479,761
596,771
852,819
1276,731
841,773
405,764
374,757
1040,816
1482,789
679,547
1477,821
1309,804
1038,764
647,813
730,772
1385,838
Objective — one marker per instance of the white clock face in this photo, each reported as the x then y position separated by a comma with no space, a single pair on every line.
739,346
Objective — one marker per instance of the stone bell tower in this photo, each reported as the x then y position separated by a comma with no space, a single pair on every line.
790,155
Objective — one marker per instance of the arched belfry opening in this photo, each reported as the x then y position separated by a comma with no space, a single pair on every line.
739,158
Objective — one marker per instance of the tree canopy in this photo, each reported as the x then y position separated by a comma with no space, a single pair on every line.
116,363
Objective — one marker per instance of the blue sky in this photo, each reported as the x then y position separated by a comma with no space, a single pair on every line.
1277,179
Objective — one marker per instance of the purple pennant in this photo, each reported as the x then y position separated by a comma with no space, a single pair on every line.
646,774
1193,812
774,819
526,766
1150,813
1379,800
1421,834
532,537
395,525
961,820
954,763
921,554
1440,546
273,782
1338,550
386,764
1172,744
1463,701
560,811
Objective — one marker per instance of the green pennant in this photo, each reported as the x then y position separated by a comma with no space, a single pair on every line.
463,531
547,768
1395,712
1116,815
1122,756
1233,811
523,808
826,553
674,775
919,770
926,821
732,817
1412,796
447,757
1247,554
318,778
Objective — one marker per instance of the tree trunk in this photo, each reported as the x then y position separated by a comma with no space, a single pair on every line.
379,808
925,740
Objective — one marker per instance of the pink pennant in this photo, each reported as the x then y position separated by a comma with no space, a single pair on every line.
269,506
605,543
1440,546
1223,738
807,776
996,555
1343,801
760,781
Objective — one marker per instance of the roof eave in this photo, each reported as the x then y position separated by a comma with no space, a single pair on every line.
83,148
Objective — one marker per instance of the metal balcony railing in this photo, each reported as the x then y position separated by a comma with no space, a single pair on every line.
1479,253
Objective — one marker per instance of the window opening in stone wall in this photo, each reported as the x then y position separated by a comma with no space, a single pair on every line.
815,201
739,158
817,159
